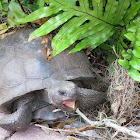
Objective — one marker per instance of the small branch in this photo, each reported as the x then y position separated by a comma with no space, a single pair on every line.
68,131
108,124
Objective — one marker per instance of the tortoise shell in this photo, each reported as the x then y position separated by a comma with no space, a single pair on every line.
23,66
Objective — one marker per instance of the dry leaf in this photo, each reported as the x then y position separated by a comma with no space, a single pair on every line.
49,57
30,38
138,131
134,101
105,111
119,88
69,121
44,39
115,106
71,138
2,36
122,121
48,52
79,129
45,129
88,50
3,26
50,36
40,21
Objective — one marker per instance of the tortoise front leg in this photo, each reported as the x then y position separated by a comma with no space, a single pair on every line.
46,114
20,119
88,98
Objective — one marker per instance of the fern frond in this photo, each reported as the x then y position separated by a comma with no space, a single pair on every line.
132,57
53,23
87,22
110,10
94,40
40,13
133,73
15,13
131,12
98,8
121,10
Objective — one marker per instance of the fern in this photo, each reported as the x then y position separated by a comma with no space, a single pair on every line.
131,57
92,23
13,11
80,22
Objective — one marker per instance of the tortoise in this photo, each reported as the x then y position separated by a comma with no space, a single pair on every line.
29,83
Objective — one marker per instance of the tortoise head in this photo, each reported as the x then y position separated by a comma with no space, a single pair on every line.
63,94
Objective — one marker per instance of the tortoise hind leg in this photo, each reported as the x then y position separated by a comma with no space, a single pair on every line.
20,119
88,98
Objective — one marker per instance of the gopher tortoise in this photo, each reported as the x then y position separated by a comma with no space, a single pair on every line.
28,82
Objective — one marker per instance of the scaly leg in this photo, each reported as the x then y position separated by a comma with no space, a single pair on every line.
20,119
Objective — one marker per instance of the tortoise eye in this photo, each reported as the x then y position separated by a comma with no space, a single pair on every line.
62,93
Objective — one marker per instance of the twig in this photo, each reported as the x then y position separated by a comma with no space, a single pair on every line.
115,51
116,133
108,124
67,131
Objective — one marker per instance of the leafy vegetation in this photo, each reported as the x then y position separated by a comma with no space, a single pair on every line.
92,23
131,57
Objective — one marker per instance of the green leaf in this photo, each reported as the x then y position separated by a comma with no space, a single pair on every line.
132,11
4,30
123,44
136,50
132,29
55,22
72,37
18,13
32,6
110,10
105,46
47,1
120,10
0,6
133,73
3,26
11,20
4,1
124,63
119,46
126,55
94,40
5,7
95,29
40,3
42,12
135,63
98,8
129,51
69,3
130,36
69,28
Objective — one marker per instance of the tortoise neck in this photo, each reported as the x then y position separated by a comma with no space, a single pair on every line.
44,96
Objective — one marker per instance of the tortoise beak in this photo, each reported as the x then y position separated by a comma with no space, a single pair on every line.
70,104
